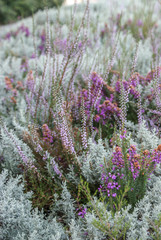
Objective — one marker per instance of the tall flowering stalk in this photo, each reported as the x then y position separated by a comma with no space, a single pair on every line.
111,61
123,102
139,110
65,134
30,88
134,62
84,132
26,161
55,167
157,93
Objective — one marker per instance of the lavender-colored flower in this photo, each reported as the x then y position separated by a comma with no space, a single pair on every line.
123,135
114,194
24,67
82,212
8,35
41,47
60,45
117,159
30,81
24,29
55,167
139,23
21,29
110,184
65,134
33,56
45,156
113,177
38,148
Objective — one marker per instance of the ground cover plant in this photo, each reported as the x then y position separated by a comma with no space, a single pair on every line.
80,108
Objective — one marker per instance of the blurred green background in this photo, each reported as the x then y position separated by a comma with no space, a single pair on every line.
10,10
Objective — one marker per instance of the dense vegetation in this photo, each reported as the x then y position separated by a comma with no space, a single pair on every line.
10,10
80,107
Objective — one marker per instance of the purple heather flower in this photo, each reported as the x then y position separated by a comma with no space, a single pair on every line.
60,45
24,66
86,233
114,194
139,23
8,35
80,44
113,177
55,167
33,56
30,81
41,47
117,159
45,156
66,138
47,136
109,184
39,148
123,135
82,212
23,29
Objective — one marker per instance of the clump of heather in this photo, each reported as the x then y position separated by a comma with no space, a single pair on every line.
21,29
128,168
99,103
80,121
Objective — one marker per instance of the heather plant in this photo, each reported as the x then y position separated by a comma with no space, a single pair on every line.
127,172
129,225
143,212
142,22
103,219
80,119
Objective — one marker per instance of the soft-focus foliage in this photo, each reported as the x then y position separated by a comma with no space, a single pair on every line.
10,10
